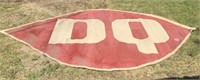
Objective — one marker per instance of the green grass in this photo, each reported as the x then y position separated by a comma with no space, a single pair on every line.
19,62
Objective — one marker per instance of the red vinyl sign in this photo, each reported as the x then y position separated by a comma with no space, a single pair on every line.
104,39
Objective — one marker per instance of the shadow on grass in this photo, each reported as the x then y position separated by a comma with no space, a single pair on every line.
181,78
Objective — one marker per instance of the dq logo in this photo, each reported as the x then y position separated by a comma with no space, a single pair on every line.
96,32
104,39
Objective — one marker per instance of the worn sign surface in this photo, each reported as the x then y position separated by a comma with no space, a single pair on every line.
104,39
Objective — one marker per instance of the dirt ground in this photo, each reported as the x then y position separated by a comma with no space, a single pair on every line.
20,62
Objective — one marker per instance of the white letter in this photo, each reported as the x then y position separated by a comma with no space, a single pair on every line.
156,34
63,31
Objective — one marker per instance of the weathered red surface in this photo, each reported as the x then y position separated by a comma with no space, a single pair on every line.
107,54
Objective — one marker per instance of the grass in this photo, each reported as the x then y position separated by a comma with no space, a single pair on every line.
19,62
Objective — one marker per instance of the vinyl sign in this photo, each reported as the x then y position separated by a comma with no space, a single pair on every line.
104,39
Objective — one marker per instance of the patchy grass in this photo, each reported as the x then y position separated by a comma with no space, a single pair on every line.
18,61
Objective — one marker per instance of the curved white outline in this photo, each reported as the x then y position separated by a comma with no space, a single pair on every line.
103,69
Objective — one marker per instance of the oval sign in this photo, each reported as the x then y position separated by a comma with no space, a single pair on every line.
104,39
